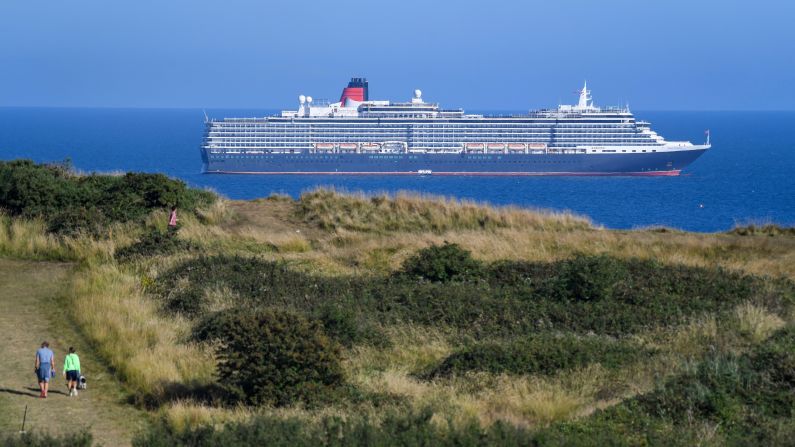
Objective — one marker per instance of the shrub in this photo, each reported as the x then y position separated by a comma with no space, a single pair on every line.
254,280
410,429
347,326
35,439
509,299
273,357
587,278
71,203
155,242
540,354
442,263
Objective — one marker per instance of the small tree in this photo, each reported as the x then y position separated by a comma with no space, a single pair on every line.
270,357
592,278
442,263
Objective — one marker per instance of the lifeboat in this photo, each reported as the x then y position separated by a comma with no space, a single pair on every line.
516,146
536,145
474,146
324,146
496,146
348,146
371,147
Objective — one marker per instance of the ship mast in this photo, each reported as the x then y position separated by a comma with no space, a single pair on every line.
585,96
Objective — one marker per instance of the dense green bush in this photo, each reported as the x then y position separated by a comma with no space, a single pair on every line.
273,357
408,430
509,299
442,263
35,439
70,203
592,277
542,353
154,243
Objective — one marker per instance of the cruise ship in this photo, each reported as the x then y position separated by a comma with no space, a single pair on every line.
357,135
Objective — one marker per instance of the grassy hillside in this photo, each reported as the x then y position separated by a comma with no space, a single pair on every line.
350,319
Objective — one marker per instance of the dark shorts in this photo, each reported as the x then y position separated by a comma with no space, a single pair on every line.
44,372
73,375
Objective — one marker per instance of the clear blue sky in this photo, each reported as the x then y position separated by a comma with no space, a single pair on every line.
485,54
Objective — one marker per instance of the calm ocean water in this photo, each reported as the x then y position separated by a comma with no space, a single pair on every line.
747,177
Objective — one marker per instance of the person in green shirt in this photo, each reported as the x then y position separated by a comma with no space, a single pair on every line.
71,370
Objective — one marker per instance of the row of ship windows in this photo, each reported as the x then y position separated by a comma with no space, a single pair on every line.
423,128
466,138
416,134
473,137
600,125
440,141
467,159
463,138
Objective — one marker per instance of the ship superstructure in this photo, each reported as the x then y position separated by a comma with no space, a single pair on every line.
357,135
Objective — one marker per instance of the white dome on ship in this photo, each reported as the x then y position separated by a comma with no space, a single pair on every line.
418,93
308,99
301,99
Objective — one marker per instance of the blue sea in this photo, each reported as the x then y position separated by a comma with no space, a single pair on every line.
747,177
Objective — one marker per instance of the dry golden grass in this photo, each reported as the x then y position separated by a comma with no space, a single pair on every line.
756,322
146,350
359,234
407,211
412,348
184,415
29,239
217,213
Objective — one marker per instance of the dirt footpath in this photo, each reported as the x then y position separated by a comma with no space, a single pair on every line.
31,311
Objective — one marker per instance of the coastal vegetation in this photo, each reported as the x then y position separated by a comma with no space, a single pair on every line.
346,319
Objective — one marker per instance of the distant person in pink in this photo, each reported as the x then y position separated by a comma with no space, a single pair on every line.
172,219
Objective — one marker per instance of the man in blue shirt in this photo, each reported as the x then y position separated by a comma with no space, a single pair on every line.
45,359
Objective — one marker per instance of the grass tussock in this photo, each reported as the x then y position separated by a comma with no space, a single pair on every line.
756,322
217,213
417,213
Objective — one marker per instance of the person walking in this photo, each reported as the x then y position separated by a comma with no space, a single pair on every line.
45,359
172,218
71,370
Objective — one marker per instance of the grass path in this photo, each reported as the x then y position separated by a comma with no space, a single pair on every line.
30,311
